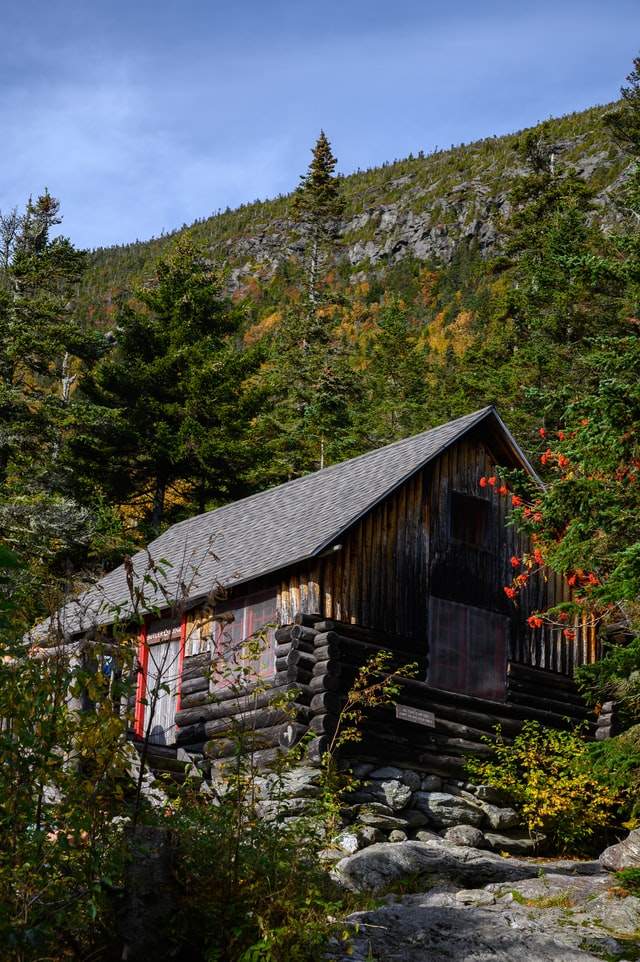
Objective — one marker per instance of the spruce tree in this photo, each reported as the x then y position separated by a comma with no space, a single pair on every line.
169,409
317,206
45,349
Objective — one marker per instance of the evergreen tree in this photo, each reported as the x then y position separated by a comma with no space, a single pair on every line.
392,401
306,423
563,287
45,347
586,522
624,120
317,206
169,405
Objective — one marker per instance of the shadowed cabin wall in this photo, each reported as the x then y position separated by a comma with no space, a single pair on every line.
401,552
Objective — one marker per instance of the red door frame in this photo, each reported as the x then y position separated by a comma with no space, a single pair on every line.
143,659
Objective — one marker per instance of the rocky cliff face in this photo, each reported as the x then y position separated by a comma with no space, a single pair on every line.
413,217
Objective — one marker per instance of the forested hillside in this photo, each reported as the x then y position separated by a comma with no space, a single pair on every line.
145,383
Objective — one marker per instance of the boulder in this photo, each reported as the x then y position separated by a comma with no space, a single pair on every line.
446,810
514,842
625,854
382,821
500,818
464,835
380,866
391,792
431,783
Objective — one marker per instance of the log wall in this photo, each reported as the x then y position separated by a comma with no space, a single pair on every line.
320,659
461,723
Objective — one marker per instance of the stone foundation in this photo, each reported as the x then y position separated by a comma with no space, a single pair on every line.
389,804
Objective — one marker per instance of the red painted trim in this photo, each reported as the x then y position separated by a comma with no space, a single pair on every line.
141,693
143,658
183,644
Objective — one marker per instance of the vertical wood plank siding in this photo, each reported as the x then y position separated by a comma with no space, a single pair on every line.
402,551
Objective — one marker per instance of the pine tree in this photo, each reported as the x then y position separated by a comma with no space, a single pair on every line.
45,348
317,206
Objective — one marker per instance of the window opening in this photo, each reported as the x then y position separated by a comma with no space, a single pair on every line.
244,639
469,520
161,657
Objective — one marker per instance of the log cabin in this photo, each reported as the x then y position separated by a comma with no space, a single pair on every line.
400,550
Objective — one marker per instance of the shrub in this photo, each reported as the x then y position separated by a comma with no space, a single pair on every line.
549,777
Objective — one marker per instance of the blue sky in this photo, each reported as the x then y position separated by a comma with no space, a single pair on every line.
141,116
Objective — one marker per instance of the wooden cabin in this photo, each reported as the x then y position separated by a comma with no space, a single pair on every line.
401,549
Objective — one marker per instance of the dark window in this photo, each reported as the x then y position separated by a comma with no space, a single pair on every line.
469,520
244,636
467,649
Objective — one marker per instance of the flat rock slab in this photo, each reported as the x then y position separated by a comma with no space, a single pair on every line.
493,925
476,906
379,867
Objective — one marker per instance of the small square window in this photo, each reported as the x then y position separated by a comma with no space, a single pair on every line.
469,520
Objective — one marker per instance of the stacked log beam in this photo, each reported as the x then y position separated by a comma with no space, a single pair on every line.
216,719
321,659
463,725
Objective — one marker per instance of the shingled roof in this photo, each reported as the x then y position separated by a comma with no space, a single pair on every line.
271,530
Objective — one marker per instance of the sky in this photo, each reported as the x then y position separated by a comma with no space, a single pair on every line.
144,115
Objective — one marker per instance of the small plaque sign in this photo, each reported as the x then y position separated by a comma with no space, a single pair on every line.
416,715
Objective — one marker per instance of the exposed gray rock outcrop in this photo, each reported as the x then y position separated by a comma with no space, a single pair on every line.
479,907
380,866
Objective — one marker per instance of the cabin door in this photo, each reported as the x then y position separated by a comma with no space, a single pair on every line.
162,678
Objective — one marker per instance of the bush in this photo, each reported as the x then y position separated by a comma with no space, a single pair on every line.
251,889
549,777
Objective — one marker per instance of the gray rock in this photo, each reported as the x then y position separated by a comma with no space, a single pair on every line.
446,810
379,866
385,823
464,835
274,808
386,772
349,842
487,793
378,807
412,779
370,834
625,854
621,916
414,818
397,835
301,782
559,917
392,793
475,897
431,783
514,842
424,835
500,818
362,770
